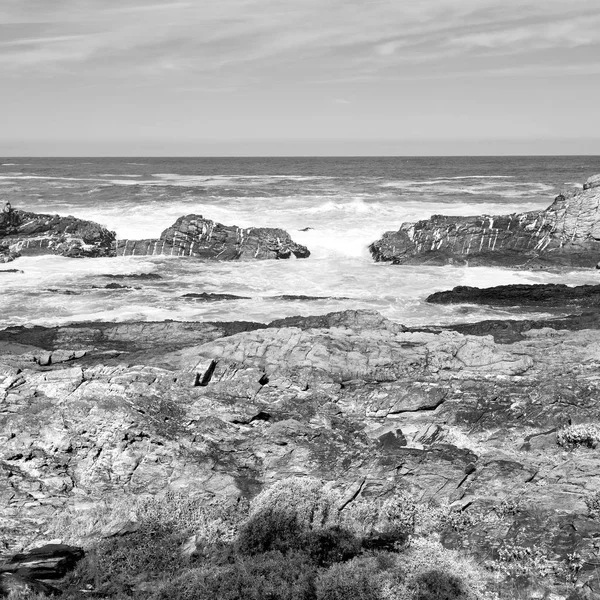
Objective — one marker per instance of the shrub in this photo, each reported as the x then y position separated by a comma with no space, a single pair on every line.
284,512
515,560
117,564
353,580
426,562
439,585
584,434
592,501
269,576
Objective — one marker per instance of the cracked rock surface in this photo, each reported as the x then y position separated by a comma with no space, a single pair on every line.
220,410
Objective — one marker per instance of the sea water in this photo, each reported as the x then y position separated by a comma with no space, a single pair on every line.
335,206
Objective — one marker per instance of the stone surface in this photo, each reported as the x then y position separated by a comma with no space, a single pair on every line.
567,233
33,234
51,561
220,410
193,235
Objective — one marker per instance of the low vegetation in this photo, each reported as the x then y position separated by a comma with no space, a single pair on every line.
297,540
583,434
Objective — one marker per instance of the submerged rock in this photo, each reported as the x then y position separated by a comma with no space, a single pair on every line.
212,297
567,233
32,234
193,235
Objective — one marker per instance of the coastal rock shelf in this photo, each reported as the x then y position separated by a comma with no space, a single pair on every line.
31,234
93,412
193,235
567,233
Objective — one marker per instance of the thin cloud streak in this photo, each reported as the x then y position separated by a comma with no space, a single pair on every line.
238,33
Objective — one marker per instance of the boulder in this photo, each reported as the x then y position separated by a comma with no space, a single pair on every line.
193,235
567,233
51,561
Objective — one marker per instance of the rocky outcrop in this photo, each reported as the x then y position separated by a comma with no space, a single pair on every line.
219,410
6,254
31,234
193,235
567,233
51,561
547,295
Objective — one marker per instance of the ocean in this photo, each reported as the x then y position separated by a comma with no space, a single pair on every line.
335,206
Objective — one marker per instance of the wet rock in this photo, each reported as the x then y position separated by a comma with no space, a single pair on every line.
547,295
195,236
143,276
292,297
213,297
567,233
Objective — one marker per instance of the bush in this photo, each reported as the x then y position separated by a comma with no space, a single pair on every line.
585,434
269,576
438,585
284,512
117,564
427,563
353,580
592,501
330,545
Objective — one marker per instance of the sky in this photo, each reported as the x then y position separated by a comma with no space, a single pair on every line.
299,77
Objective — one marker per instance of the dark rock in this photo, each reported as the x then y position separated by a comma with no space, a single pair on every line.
11,271
64,292
115,286
210,297
195,236
567,233
506,331
292,297
145,276
51,561
31,234
548,295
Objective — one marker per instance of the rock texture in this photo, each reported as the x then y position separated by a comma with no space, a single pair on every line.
51,561
32,234
547,295
193,235
95,411
567,233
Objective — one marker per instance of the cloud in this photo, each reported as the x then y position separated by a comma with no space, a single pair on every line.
267,40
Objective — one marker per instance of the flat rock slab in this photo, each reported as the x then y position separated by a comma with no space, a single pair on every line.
52,561
547,295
